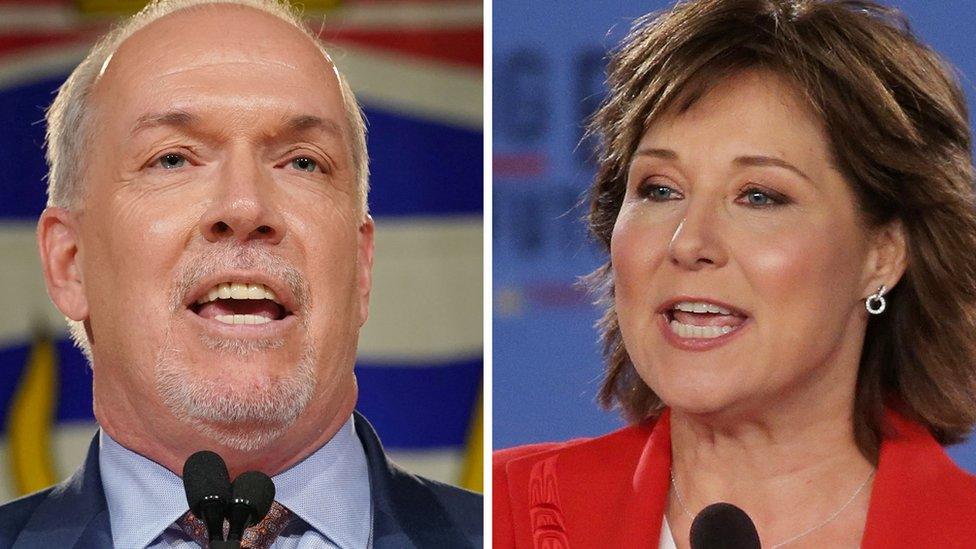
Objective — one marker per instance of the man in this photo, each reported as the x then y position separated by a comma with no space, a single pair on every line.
208,237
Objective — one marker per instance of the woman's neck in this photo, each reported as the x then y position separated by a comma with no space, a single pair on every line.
789,470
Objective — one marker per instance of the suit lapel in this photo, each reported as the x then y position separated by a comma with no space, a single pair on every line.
604,492
405,512
74,513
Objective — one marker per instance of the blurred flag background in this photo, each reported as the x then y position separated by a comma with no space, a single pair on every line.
548,72
417,68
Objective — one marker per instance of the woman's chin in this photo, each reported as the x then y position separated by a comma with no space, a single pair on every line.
703,400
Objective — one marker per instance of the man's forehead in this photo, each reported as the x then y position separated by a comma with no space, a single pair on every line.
217,35
286,124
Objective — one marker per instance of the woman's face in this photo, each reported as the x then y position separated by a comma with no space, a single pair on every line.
734,206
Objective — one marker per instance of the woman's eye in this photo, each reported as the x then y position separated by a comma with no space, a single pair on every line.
171,161
304,164
756,197
658,193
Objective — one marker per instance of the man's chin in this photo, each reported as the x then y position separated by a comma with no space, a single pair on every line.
240,437
245,413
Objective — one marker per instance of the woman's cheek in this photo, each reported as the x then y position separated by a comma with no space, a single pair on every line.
635,248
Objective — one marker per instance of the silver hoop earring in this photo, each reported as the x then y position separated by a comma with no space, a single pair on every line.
875,304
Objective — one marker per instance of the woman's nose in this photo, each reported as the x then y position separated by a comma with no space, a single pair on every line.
697,241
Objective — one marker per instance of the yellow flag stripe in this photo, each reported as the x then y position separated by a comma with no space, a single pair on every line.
29,421
472,474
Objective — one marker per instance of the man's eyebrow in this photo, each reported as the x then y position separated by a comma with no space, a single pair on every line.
749,160
305,122
184,119
175,119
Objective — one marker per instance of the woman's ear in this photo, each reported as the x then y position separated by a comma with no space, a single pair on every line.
57,241
887,258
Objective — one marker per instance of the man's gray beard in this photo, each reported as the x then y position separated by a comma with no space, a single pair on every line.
245,420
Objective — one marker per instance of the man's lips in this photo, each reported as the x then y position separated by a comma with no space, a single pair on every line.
238,302
242,285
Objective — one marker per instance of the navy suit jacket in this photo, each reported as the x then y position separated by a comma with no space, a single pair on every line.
408,511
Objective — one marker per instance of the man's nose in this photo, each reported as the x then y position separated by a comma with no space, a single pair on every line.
243,206
697,241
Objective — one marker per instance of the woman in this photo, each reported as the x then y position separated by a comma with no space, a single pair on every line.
785,193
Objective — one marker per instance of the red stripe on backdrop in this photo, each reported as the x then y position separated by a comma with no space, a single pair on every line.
459,46
37,3
15,42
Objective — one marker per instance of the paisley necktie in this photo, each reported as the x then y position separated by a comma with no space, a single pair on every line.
259,536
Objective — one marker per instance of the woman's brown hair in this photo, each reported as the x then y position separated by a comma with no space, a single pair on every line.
898,129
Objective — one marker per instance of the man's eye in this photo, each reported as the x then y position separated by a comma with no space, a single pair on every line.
304,164
171,161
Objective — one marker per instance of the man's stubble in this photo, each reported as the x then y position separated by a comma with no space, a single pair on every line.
246,417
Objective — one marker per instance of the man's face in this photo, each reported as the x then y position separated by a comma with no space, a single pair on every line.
220,155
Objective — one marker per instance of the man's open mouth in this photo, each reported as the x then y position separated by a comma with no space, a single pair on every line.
240,303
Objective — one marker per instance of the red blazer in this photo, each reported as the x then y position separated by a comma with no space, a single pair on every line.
610,491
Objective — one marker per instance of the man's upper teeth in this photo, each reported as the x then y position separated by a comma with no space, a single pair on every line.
701,307
238,290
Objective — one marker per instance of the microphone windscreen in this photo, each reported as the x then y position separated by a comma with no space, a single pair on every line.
257,489
205,476
723,526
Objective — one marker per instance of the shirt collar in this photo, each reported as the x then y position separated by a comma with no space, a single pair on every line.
329,490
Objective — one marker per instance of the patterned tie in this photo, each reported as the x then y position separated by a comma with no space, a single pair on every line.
259,536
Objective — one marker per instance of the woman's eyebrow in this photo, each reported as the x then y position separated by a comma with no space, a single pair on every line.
769,161
744,161
666,154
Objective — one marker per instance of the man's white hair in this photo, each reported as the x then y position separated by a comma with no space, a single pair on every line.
70,128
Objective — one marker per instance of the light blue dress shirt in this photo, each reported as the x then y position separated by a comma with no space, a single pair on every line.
328,491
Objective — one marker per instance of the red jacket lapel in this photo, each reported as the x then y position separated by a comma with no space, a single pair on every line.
603,492
610,492
920,497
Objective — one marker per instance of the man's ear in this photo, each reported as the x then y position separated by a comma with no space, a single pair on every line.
364,265
887,259
57,241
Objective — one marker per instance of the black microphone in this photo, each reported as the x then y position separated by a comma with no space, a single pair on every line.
723,526
207,486
253,493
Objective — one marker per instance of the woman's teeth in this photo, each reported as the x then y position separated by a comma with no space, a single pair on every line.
698,332
702,320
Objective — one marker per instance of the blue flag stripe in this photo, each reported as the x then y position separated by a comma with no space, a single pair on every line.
422,168
418,407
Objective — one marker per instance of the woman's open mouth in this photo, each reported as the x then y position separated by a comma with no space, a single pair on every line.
698,323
